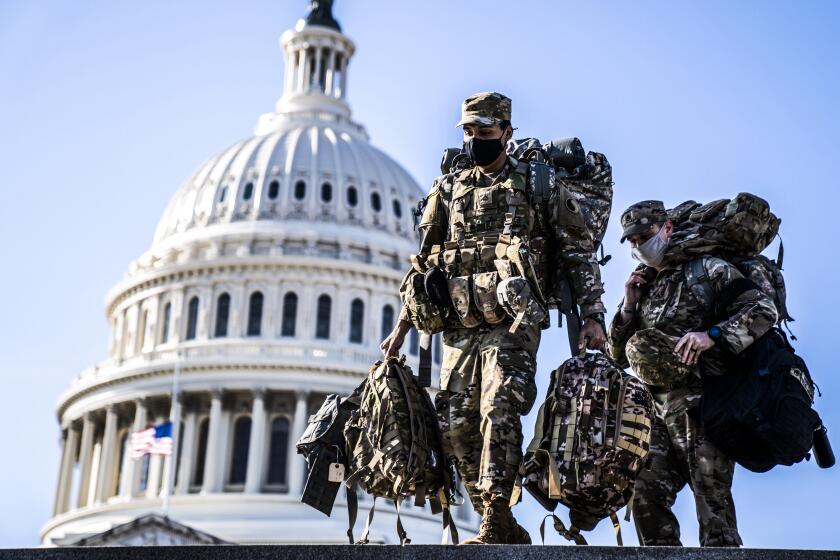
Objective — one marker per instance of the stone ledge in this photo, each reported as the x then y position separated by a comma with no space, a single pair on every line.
411,552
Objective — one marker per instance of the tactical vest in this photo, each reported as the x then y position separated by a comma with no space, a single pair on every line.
494,233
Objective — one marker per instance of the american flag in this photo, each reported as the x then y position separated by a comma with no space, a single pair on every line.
156,440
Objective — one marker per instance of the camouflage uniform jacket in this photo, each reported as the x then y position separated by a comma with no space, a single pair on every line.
670,306
468,211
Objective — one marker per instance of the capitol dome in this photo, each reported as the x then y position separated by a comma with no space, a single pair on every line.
272,277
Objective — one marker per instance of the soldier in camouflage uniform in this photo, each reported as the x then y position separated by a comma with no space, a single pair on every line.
480,227
661,330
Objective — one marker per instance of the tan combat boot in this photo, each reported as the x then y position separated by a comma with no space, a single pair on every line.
497,524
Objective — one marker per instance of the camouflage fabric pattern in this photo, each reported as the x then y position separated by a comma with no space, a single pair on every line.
650,353
679,452
514,294
487,385
485,109
642,216
670,306
680,455
474,223
595,426
731,229
593,191
392,438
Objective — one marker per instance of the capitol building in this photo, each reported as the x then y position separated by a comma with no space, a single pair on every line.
272,278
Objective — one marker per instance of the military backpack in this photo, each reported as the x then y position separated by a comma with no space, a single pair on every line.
737,231
760,413
590,442
394,445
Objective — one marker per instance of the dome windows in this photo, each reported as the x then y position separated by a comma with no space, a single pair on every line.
222,194
255,312
397,208
376,201
287,327
192,318
248,192
167,316
273,189
222,314
322,323
352,196
326,192
300,190
387,320
357,319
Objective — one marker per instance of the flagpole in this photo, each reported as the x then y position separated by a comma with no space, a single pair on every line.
174,418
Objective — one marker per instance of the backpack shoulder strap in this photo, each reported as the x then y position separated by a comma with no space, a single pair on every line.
697,278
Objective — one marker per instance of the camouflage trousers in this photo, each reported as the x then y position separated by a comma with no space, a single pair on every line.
487,385
680,455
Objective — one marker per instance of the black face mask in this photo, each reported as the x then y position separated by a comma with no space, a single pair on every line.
484,152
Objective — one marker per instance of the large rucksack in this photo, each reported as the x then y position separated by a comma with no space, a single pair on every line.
590,442
760,412
394,445
737,231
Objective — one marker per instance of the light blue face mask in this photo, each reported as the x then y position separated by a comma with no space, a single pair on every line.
652,251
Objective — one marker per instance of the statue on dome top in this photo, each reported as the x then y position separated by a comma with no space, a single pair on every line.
320,13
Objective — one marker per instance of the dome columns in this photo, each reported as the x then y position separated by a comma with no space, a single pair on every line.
299,422
70,444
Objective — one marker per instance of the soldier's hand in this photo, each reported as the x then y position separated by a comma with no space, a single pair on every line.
593,331
692,345
633,288
393,342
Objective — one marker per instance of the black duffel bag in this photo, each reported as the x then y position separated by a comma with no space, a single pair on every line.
761,412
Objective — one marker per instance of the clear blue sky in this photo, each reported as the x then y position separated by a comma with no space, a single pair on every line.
106,107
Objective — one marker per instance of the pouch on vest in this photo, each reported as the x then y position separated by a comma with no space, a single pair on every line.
422,313
514,295
484,291
459,290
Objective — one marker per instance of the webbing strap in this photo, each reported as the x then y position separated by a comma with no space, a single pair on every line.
616,528
570,429
404,540
570,534
366,533
449,528
553,473
352,511
630,505
424,370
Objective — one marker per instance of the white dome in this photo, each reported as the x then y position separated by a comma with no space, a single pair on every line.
273,277
308,170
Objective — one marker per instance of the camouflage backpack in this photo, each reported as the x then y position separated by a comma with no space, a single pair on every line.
735,230
590,442
588,176
394,445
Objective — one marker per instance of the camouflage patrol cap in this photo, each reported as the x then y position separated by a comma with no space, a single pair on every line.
652,357
642,216
486,109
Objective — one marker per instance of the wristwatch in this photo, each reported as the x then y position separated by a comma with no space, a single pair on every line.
714,333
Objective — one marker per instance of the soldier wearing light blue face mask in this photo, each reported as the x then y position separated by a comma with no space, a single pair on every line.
666,335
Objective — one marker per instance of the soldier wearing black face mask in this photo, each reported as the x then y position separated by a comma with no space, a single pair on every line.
480,228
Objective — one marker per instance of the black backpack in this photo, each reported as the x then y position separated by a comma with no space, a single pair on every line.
760,412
